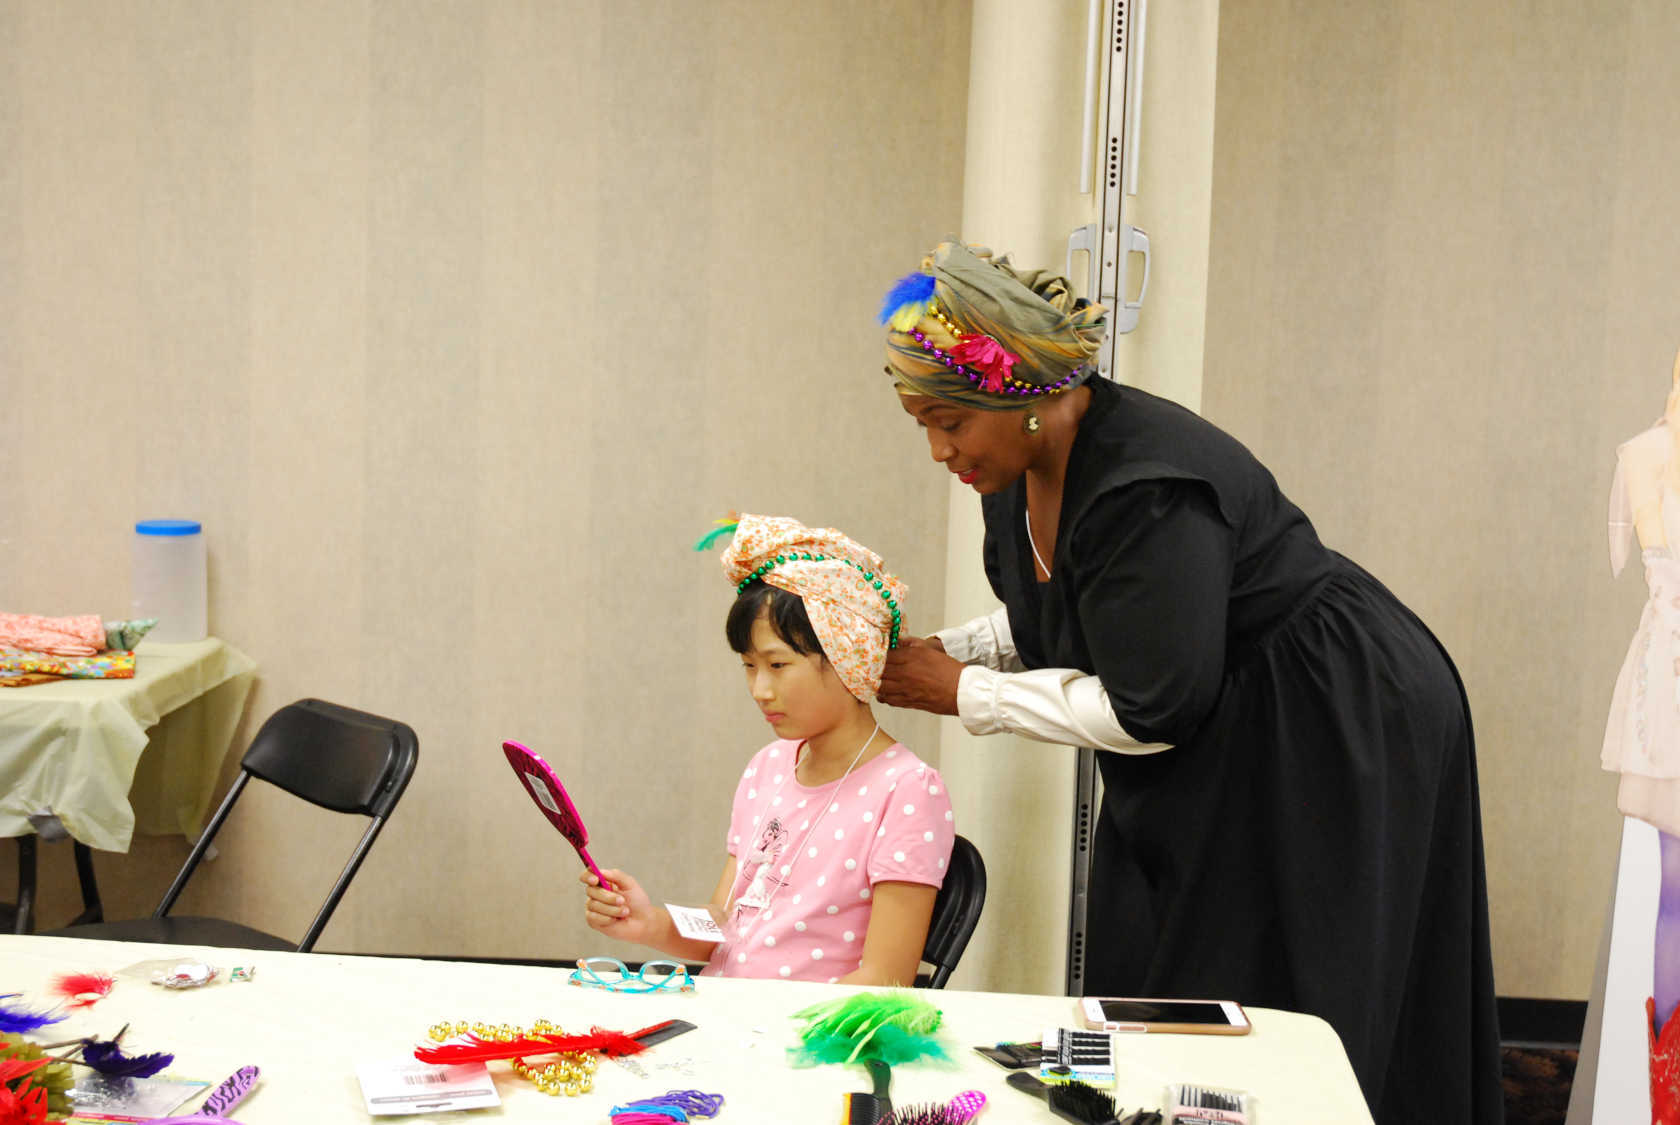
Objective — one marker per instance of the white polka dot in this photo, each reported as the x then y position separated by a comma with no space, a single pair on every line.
746,772
863,791
776,800
898,857
934,789
756,819
816,955
812,852
851,865
868,815
892,753
839,833
768,915
834,910
800,926
909,810
751,793
774,750
834,808
947,814
784,970
833,980
769,939
796,899
880,832
928,836
942,861
822,880
892,771
848,935
804,825
734,839
800,805
785,870
778,779
864,893
741,957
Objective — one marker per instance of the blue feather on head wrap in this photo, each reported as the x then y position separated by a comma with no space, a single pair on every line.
907,301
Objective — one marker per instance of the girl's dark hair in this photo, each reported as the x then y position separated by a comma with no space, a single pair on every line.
786,612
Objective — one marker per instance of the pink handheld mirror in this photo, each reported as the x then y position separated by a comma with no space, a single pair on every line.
551,798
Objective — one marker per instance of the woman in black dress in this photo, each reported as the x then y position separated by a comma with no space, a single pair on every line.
1290,815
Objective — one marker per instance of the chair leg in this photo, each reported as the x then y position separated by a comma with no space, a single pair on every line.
25,885
92,909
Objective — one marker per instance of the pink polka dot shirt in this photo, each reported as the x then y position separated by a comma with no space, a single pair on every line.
808,859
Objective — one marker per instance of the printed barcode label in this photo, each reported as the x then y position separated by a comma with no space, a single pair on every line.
425,1079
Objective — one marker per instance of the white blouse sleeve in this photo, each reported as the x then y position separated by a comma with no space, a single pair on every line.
1047,704
985,641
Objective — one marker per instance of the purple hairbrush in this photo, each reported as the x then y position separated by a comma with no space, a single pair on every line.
551,798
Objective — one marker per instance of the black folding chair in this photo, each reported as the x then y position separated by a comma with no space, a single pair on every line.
331,756
956,911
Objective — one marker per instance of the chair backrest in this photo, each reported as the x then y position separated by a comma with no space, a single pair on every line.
956,911
335,757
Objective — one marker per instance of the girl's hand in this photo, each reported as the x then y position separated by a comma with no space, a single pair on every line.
920,676
627,913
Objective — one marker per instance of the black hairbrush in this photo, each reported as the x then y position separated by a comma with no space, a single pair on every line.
870,1109
1071,1101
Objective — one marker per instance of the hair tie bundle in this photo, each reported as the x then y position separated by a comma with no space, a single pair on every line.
677,1105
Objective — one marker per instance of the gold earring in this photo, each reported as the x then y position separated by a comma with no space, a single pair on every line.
1029,424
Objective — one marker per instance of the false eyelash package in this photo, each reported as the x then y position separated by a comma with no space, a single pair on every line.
1209,1105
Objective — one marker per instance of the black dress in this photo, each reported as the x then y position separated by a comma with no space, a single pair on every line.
1312,841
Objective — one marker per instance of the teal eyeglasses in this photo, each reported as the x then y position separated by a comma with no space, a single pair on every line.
613,975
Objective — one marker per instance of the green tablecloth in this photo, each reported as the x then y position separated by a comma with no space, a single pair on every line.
74,748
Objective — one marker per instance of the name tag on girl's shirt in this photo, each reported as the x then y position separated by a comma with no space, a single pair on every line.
695,922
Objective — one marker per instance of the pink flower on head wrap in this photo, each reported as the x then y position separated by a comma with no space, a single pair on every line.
986,355
845,592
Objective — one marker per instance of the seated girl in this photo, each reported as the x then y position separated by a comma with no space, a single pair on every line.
840,837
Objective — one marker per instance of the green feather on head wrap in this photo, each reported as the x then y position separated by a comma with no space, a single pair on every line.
1032,314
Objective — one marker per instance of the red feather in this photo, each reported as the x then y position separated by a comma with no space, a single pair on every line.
82,990
475,1049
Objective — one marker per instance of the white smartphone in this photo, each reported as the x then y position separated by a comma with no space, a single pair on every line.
1184,1017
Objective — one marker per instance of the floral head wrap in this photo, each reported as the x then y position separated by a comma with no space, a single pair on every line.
853,603
971,329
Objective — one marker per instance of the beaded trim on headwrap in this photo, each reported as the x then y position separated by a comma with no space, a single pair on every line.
973,330
852,601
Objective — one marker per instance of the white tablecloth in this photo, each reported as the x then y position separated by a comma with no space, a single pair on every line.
307,1020
73,748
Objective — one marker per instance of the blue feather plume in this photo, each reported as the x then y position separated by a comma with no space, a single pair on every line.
911,289
21,1021
108,1058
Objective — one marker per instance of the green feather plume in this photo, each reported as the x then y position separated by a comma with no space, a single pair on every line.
725,527
895,1027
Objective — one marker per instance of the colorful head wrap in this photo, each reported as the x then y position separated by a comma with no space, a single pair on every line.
853,603
973,330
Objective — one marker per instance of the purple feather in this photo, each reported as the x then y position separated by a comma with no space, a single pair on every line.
230,1093
912,288
21,1021
108,1058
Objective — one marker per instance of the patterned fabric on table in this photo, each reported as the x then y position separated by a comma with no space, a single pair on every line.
111,665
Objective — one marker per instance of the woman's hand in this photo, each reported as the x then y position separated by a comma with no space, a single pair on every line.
627,913
921,677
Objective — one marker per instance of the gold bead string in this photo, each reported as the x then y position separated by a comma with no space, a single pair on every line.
571,1073
959,335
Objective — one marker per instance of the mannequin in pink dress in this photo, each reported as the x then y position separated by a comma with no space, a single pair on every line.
1642,736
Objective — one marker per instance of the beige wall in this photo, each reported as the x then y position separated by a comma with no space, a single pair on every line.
457,324
1441,290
